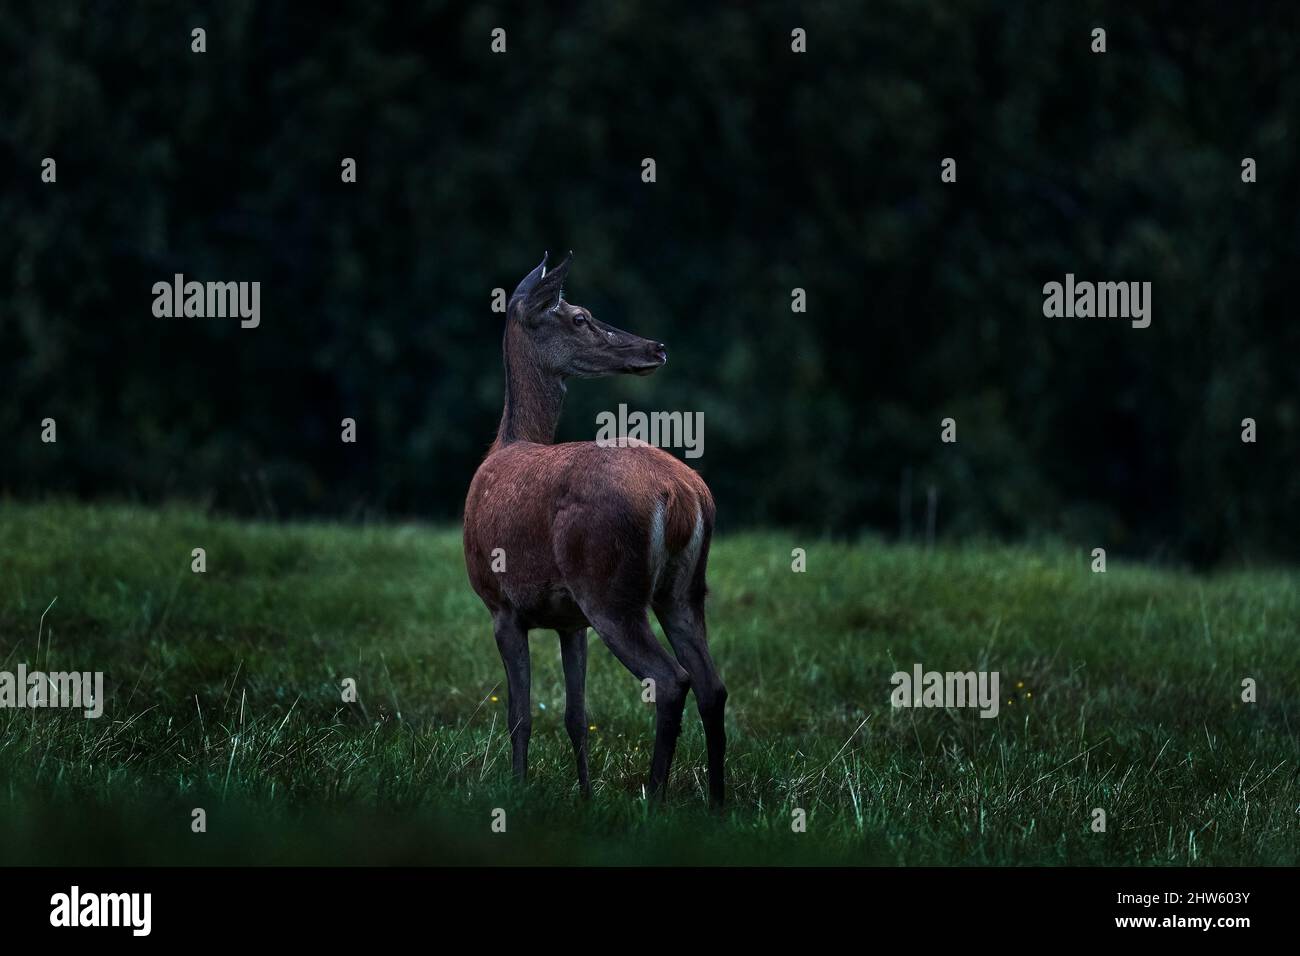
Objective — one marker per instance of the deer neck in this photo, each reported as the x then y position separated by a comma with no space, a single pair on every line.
534,397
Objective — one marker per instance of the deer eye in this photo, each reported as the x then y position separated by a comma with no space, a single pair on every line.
579,319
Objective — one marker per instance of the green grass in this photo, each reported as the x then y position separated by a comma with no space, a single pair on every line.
223,693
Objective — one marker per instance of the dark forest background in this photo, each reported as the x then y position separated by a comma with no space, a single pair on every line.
775,171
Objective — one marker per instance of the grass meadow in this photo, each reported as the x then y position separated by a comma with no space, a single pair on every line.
1119,690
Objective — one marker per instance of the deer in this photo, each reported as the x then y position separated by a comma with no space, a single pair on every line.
579,535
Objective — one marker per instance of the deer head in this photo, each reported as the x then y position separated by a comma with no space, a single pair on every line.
566,340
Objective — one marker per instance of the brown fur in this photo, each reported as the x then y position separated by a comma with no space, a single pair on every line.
572,512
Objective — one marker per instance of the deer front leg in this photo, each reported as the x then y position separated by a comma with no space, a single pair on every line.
573,652
512,642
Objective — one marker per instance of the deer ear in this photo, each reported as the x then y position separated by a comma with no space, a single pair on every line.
546,292
529,282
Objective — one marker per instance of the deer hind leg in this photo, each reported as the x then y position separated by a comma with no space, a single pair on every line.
685,629
573,653
512,642
630,639
679,605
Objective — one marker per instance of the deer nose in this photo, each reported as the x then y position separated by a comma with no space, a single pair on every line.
661,352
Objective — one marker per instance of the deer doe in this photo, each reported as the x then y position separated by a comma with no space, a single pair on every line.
592,535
